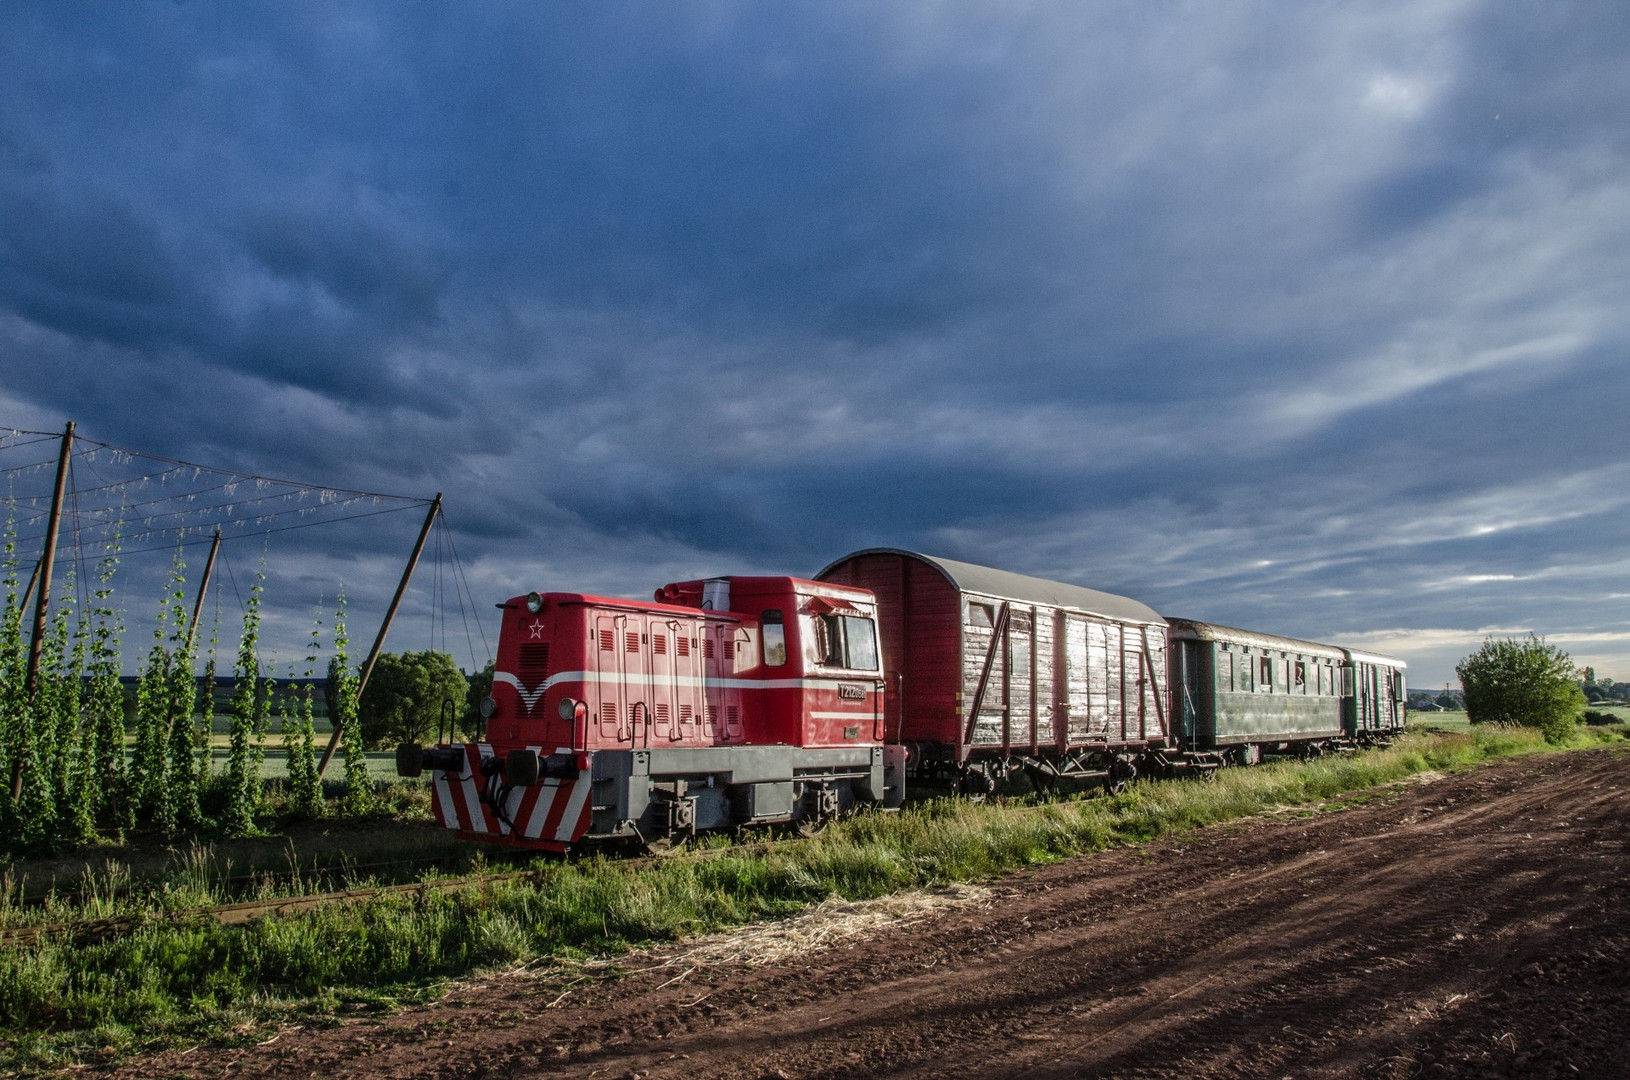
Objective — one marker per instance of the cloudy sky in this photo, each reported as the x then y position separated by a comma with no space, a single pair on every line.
1310,318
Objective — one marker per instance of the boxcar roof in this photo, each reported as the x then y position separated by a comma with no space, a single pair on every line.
1204,631
1007,585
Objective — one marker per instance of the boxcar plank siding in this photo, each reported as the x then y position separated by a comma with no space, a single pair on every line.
1060,677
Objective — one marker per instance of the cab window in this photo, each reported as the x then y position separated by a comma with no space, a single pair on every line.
849,641
775,638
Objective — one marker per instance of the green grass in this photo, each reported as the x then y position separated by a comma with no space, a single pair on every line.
61,1003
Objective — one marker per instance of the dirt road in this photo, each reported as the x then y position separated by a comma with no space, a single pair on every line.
1469,925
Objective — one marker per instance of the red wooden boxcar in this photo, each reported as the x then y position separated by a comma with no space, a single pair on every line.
726,702
991,670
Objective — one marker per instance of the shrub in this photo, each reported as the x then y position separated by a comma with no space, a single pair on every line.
1523,682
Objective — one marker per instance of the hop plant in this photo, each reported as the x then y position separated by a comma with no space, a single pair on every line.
342,710
104,702
299,741
243,770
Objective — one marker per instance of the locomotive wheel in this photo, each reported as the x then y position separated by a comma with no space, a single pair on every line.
659,847
811,826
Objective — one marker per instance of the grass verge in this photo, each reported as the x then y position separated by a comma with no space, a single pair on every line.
62,1003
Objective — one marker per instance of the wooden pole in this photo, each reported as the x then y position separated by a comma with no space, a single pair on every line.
42,601
192,627
28,593
203,587
384,627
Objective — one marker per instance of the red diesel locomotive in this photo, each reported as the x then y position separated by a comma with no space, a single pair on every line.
727,701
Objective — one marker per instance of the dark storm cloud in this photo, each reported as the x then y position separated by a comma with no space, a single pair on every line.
1257,313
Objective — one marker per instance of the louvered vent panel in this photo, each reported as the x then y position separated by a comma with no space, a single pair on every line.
534,662
608,641
659,644
608,714
662,712
684,645
707,648
631,641
712,716
729,649
685,715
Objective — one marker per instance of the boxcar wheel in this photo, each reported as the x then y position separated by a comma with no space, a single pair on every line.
1121,773
976,783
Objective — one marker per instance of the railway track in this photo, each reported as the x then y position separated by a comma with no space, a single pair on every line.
88,931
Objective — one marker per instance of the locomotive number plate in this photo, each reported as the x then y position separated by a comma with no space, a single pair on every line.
851,692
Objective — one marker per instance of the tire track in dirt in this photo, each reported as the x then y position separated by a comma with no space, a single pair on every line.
1453,927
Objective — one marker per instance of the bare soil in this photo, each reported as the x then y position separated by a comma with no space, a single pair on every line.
1468,925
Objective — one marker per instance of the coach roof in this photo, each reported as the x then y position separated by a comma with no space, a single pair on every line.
1005,585
1205,631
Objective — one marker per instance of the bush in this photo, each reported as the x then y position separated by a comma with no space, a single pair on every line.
408,694
1523,682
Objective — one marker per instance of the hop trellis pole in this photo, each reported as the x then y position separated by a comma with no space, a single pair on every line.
385,626
42,599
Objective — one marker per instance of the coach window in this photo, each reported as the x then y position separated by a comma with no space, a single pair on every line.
981,614
775,638
1264,675
1299,676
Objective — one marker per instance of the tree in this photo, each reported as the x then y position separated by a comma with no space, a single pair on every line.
1523,682
475,725
407,696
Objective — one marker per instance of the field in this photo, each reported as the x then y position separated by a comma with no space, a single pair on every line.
1455,719
1464,924
181,979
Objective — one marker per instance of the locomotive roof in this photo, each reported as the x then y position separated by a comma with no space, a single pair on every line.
1006,585
1205,631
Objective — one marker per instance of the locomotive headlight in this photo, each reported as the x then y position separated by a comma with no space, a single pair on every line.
534,602
489,706
567,708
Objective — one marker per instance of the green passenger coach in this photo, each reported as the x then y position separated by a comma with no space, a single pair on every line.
1242,693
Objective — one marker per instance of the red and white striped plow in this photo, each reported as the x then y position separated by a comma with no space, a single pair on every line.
550,813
